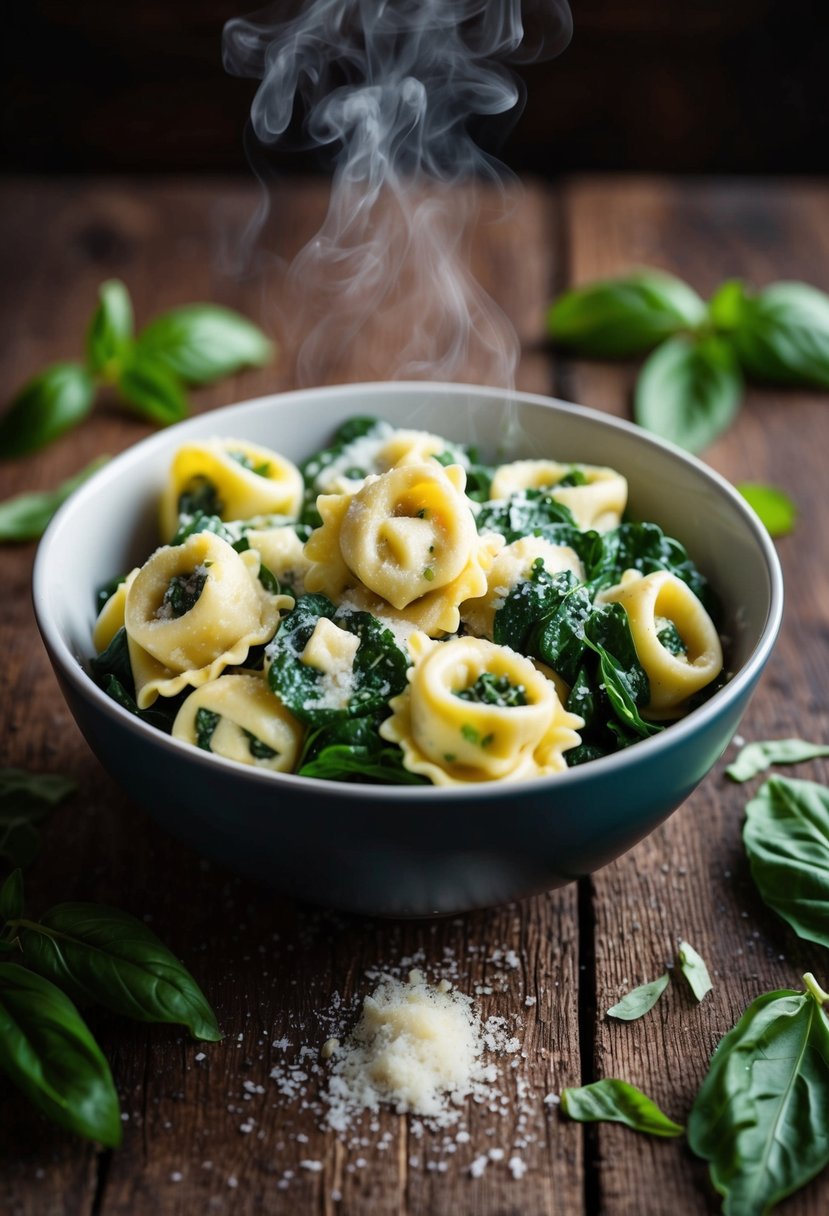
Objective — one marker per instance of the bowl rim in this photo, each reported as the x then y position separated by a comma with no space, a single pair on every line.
73,671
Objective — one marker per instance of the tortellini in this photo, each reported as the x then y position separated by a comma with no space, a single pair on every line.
511,567
230,478
367,651
192,610
408,538
597,498
652,603
111,617
238,717
283,553
474,711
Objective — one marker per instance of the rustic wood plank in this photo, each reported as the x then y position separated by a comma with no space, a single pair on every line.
206,1128
690,879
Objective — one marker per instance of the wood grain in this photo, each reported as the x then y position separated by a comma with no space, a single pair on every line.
273,969
213,1134
690,878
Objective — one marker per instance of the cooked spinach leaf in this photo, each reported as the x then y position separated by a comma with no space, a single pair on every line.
114,661
258,749
183,593
645,547
490,689
200,497
533,598
558,638
351,749
201,521
206,723
345,435
378,671
527,513
670,637
608,633
161,714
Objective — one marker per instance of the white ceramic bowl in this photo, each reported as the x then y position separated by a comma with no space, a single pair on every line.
410,851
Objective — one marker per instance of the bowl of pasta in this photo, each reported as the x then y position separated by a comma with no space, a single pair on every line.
407,649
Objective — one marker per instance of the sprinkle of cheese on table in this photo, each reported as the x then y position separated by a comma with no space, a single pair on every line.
416,1047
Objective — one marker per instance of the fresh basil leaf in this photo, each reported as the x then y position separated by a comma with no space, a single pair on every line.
25,517
614,1101
34,793
624,316
692,966
47,1050
45,408
756,757
19,842
151,390
760,1117
11,896
639,1001
781,334
105,956
786,836
689,391
25,800
203,342
775,509
110,330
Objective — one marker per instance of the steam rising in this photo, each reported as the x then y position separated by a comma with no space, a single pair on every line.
394,87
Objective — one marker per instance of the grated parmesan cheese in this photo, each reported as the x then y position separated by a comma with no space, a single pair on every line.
415,1047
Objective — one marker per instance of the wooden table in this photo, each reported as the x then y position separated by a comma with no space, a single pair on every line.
269,967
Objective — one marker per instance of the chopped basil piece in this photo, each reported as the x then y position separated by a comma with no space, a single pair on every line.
199,498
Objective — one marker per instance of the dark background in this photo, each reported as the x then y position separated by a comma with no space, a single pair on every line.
677,85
